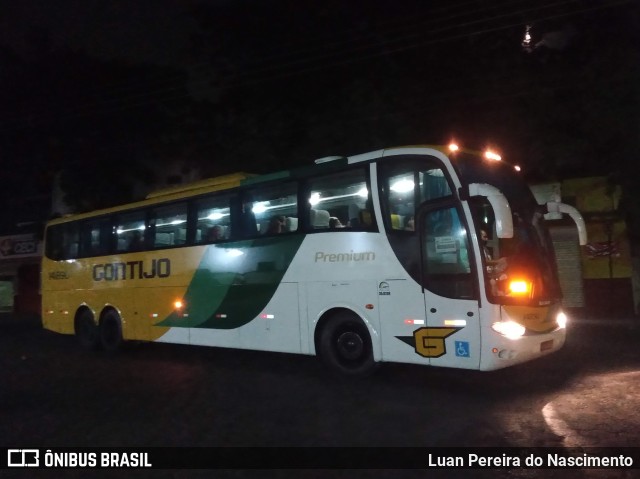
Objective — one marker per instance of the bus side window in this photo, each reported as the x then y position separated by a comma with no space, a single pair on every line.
340,201
213,219
168,221
63,241
94,237
270,207
71,241
131,232
53,238
408,184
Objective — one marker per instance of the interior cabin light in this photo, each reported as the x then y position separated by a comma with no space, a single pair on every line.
260,207
403,186
314,199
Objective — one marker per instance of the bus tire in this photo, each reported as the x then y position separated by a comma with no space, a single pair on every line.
86,330
110,331
345,345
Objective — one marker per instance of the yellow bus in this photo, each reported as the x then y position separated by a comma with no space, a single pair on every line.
421,254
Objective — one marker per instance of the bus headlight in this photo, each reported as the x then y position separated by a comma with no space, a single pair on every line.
509,329
561,319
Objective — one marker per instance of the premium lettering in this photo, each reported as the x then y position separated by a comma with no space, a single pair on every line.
157,268
322,257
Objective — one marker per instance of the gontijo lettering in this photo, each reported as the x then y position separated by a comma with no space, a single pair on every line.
159,268
322,257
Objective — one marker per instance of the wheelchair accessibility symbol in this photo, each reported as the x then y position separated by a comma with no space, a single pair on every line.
462,349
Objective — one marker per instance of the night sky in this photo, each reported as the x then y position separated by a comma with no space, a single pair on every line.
153,92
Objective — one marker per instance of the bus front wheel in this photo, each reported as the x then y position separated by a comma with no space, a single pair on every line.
86,330
110,331
345,345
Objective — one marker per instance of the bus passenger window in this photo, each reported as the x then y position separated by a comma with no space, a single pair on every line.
130,232
63,241
170,225
408,185
94,237
213,219
274,207
340,201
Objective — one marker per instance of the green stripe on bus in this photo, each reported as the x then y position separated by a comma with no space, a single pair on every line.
234,282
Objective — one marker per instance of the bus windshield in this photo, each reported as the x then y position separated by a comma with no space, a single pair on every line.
518,270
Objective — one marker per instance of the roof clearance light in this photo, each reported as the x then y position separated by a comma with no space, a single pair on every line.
490,155
453,147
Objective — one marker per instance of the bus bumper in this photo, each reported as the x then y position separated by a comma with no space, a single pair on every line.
500,352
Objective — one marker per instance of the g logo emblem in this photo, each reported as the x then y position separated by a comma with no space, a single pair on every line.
430,341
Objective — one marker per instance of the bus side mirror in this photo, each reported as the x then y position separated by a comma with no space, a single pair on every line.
500,205
556,207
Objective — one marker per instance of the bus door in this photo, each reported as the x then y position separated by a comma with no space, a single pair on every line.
451,336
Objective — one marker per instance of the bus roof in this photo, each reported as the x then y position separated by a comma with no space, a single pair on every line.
233,180
209,184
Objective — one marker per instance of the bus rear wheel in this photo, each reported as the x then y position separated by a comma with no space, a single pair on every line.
345,345
86,330
110,331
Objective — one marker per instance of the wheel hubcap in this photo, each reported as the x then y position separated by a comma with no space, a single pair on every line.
350,345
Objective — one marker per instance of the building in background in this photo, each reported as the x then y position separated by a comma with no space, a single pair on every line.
20,257
598,280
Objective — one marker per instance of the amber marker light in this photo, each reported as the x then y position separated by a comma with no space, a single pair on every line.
519,287
453,147
178,304
492,155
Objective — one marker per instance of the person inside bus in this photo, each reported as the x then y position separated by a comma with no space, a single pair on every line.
335,223
276,225
494,267
410,226
215,233
136,243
